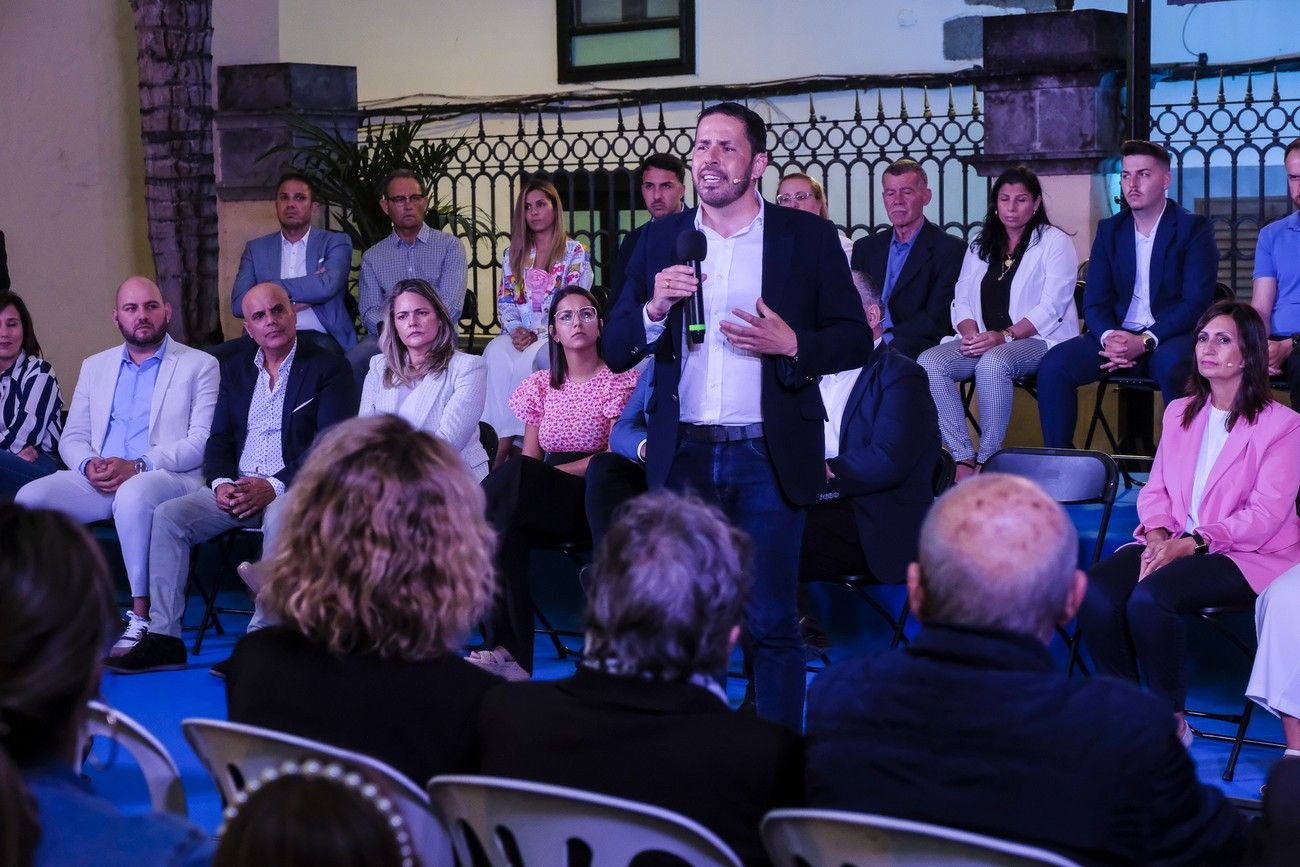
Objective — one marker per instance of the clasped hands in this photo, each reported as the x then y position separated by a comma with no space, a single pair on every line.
245,497
1121,349
765,333
1161,550
106,475
979,342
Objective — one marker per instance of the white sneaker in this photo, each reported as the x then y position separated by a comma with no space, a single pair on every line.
136,628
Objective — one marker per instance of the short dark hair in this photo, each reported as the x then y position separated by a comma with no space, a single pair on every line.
295,175
402,172
755,128
31,345
1294,146
667,163
1137,147
907,166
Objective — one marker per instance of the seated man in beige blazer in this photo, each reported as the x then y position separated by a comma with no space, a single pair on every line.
134,437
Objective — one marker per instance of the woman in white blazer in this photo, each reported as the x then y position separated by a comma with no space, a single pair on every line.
1014,300
419,375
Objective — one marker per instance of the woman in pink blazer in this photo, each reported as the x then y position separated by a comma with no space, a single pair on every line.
1217,516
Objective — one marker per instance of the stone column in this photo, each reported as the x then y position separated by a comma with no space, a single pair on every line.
1053,103
255,103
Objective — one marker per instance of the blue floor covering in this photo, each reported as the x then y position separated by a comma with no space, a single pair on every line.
161,700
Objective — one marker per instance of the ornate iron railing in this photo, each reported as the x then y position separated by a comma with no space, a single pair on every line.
1227,153
593,156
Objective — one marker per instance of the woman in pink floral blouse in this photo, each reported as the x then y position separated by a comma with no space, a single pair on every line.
538,497
541,260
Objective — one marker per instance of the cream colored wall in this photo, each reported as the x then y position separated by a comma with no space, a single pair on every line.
71,169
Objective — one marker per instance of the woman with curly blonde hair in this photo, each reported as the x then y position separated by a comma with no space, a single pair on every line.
383,568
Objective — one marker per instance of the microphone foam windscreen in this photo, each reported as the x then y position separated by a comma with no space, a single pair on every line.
692,246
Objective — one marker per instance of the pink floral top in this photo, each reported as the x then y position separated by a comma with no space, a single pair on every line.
515,308
576,417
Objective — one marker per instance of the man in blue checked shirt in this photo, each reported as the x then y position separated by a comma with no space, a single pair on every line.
413,250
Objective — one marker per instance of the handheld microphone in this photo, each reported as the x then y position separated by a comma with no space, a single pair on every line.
692,248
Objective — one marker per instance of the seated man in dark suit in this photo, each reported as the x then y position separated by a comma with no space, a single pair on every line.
618,475
1151,275
645,718
882,444
915,263
973,725
272,403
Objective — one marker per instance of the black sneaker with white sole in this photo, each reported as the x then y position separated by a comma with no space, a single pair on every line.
152,653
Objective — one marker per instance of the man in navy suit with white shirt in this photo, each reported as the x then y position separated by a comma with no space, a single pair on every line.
738,418
311,263
1151,275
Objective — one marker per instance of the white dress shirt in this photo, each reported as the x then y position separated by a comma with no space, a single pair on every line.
721,384
1138,318
1216,435
293,263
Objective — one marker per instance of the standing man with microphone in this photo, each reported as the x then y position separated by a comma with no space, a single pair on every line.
737,418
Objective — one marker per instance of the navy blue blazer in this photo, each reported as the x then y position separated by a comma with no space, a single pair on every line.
324,292
806,281
889,445
1184,268
320,392
920,303
980,730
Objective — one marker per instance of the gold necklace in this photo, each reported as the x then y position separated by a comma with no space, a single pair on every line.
1007,263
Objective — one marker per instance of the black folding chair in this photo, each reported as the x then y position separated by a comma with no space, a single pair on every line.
1071,477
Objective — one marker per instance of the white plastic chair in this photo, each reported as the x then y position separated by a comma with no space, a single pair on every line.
235,753
161,776
841,839
518,822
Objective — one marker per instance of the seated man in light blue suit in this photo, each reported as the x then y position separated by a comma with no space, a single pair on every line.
618,475
311,263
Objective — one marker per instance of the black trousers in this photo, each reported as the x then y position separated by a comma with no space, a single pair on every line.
528,503
612,480
1291,373
831,546
1133,626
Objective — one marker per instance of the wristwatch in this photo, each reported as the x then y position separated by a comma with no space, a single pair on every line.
1149,343
139,466
1202,546
1007,336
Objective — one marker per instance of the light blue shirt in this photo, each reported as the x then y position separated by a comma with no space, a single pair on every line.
128,420
898,251
1277,255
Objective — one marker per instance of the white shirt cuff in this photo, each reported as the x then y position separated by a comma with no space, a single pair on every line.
653,329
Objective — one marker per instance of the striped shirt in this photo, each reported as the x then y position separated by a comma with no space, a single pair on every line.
31,408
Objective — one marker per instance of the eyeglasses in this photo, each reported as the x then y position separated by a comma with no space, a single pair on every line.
586,314
402,200
784,199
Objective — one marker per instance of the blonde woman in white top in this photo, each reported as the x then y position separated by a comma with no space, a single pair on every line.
419,375
1014,300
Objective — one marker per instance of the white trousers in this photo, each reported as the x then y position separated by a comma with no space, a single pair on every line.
131,507
1275,679
506,368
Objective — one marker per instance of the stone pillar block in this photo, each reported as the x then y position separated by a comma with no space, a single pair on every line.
1053,99
255,103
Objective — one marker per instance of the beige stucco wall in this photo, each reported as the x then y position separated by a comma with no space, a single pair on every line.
71,169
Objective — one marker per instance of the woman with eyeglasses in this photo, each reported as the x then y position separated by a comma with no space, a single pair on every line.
419,375
803,193
539,496
541,260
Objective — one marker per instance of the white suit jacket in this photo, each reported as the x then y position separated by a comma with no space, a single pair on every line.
180,413
1042,290
447,405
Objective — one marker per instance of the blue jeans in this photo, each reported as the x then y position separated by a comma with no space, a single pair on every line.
739,478
16,472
